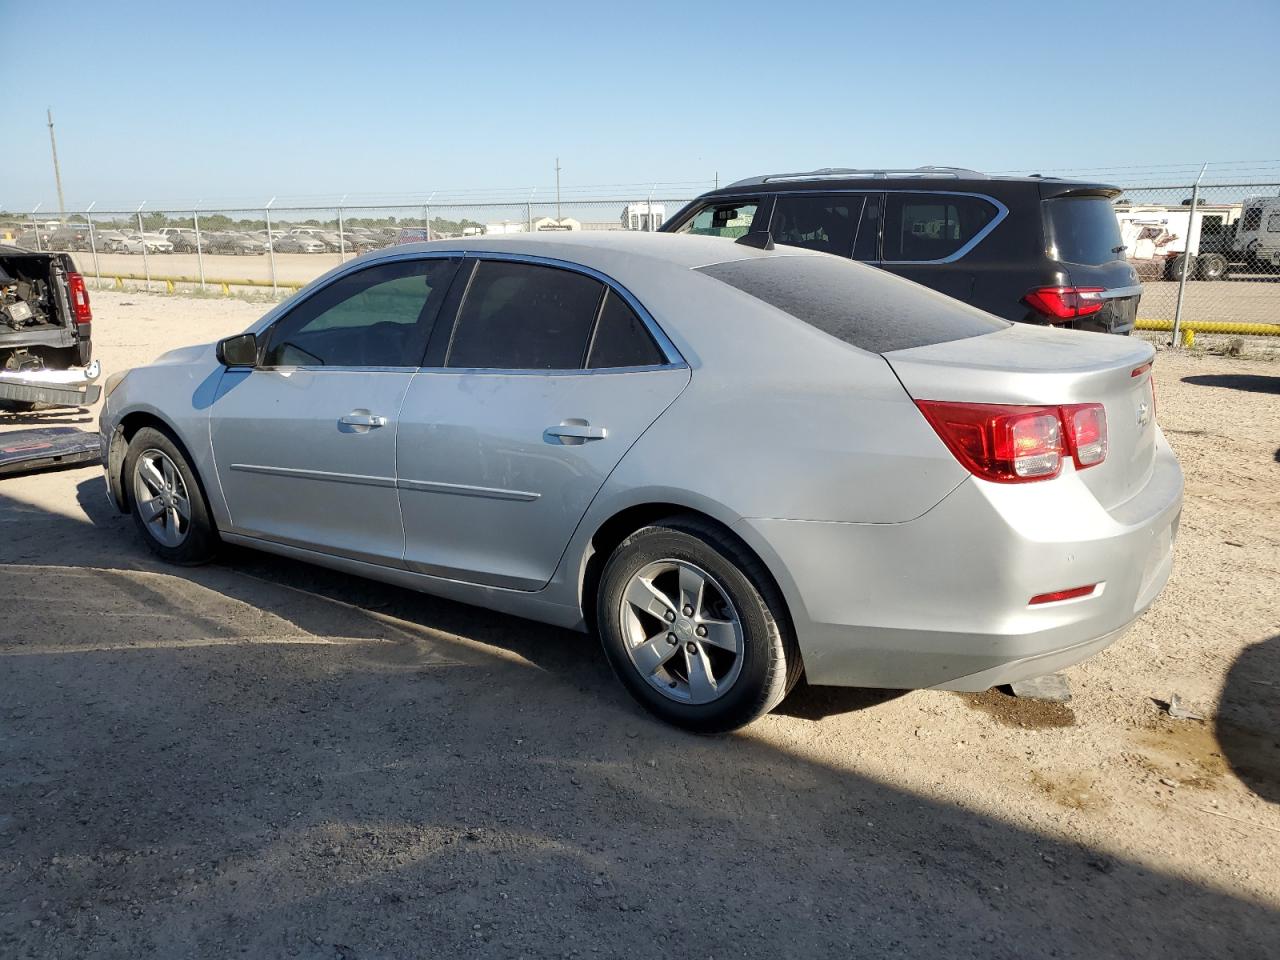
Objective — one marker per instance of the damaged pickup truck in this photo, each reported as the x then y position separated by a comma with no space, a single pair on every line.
45,331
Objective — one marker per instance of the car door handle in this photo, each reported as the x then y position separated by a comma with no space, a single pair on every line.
363,420
575,431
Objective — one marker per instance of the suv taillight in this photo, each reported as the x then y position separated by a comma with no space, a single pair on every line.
81,312
1009,443
1065,303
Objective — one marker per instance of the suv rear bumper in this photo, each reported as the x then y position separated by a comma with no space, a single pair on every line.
942,601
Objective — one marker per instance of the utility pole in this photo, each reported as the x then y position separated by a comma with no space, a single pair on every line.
557,191
57,174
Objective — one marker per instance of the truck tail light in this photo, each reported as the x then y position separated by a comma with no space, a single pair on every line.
81,312
1008,443
1065,303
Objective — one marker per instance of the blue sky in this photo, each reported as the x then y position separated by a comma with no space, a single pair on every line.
241,101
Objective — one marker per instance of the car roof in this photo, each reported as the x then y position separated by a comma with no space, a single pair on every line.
930,178
604,249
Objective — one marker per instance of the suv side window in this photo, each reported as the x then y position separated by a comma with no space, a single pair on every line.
730,219
1273,223
1252,219
921,227
621,339
377,317
816,222
524,316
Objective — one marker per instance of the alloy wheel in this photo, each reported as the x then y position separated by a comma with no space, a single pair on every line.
681,631
162,498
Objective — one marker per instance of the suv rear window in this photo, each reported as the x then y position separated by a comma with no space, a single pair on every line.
860,305
1084,230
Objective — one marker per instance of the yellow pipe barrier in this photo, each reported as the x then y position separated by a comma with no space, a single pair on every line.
226,283
1190,328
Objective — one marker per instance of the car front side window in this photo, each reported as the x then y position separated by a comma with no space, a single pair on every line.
728,219
380,316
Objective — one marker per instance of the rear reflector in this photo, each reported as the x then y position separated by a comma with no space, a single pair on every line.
1065,303
1008,443
1062,595
1086,426
81,312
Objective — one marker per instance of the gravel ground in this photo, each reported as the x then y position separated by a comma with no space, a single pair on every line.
264,758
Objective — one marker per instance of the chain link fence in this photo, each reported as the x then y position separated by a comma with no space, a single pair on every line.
1208,252
277,250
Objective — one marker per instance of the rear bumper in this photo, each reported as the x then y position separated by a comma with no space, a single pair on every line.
942,601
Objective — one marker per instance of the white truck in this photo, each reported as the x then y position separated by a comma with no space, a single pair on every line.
1216,240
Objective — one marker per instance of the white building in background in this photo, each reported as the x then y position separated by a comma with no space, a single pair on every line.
506,226
643,215
552,224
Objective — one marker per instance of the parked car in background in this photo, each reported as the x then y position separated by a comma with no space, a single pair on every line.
297,243
71,237
116,242
857,478
236,244
332,242
183,239
1029,249
156,242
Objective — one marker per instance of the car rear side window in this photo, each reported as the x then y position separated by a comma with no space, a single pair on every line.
862,306
523,316
731,219
816,222
923,227
867,245
1084,230
620,338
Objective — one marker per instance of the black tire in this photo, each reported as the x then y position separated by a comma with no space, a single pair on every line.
1178,264
200,543
1211,266
770,659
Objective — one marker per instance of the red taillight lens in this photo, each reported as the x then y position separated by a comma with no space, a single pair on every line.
1086,426
81,312
1016,444
1065,303
1007,444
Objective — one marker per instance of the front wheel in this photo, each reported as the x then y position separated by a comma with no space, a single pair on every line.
166,501
1211,266
694,627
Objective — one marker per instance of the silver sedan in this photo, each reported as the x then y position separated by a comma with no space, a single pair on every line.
736,465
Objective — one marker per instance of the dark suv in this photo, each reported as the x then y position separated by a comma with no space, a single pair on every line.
1031,249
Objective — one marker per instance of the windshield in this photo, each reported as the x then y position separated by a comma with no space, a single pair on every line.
1084,230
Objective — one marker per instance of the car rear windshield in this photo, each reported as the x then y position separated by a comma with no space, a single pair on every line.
860,305
1084,230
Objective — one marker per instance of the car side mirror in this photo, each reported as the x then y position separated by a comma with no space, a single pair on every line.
238,351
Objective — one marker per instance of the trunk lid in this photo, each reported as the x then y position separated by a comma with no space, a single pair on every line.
1043,366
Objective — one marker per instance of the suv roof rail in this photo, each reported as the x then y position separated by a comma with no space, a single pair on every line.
881,173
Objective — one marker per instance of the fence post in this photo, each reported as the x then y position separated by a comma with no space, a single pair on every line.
1186,257
528,216
36,227
195,217
146,264
271,249
93,247
342,239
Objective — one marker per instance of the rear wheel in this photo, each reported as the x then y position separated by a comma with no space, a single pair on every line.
1211,266
166,501
694,627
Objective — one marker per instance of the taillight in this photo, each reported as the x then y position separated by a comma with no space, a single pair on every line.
1065,303
1086,427
1010,443
1057,595
81,312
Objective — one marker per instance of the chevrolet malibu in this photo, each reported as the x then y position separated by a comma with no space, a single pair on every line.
735,464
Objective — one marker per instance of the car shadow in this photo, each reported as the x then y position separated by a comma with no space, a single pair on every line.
1247,725
1250,382
261,757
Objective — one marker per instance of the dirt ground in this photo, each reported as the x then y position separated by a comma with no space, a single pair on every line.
261,758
